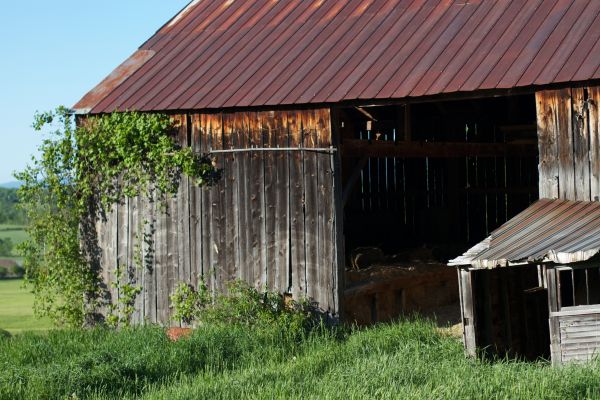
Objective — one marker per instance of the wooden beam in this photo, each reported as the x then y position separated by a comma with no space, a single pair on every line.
360,148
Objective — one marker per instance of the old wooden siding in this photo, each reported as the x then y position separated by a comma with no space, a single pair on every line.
569,145
579,336
270,220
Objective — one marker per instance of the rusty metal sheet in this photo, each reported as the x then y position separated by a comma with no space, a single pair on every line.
556,231
242,53
117,77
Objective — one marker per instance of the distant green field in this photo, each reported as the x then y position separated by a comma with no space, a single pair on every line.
17,234
16,308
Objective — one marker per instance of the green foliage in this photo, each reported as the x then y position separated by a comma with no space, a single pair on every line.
3,272
9,210
119,315
241,305
82,171
6,247
4,334
188,302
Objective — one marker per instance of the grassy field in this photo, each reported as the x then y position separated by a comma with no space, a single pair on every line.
17,234
16,308
405,360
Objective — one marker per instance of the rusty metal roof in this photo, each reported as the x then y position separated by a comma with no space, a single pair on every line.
556,231
237,53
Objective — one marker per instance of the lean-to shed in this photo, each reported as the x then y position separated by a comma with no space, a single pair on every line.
408,126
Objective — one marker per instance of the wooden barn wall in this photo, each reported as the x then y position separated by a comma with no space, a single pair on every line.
269,221
569,143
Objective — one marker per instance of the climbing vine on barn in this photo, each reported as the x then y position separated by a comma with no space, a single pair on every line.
81,172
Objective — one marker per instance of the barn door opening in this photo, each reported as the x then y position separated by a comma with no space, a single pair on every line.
422,183
511,312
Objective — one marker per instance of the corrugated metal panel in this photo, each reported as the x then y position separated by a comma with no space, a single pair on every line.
236,53
558,231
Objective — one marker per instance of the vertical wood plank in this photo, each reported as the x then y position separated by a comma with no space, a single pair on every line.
467,311
581,145
217,222
112,258
256,181
240,140
594,133
339,283
326,221
296,200
134,256
269,132
149,255
282,206
196,194
553,304
564,129
123,244
208,272
230,211
311,206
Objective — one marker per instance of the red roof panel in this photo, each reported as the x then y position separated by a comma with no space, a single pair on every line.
237,53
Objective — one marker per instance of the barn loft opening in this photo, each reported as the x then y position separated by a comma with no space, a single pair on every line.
422,183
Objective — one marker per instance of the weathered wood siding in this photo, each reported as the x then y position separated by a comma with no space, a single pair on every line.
574,331
569,143
579,336
270,220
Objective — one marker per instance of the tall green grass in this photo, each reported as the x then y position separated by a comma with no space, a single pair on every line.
404,360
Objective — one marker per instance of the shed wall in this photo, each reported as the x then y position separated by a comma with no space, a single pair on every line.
269,221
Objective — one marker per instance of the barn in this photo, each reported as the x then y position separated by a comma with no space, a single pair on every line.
400,132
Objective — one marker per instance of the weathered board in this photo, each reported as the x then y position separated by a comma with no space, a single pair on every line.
271,219
569,143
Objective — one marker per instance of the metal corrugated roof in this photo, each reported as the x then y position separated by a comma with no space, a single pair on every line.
238,53
558,231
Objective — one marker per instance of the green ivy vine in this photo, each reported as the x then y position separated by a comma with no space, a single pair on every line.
83,169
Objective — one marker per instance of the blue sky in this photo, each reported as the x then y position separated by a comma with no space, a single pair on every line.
53,52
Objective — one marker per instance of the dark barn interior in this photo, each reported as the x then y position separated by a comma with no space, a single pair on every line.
424,182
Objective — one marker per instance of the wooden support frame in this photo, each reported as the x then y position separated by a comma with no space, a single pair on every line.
361,148
467,310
